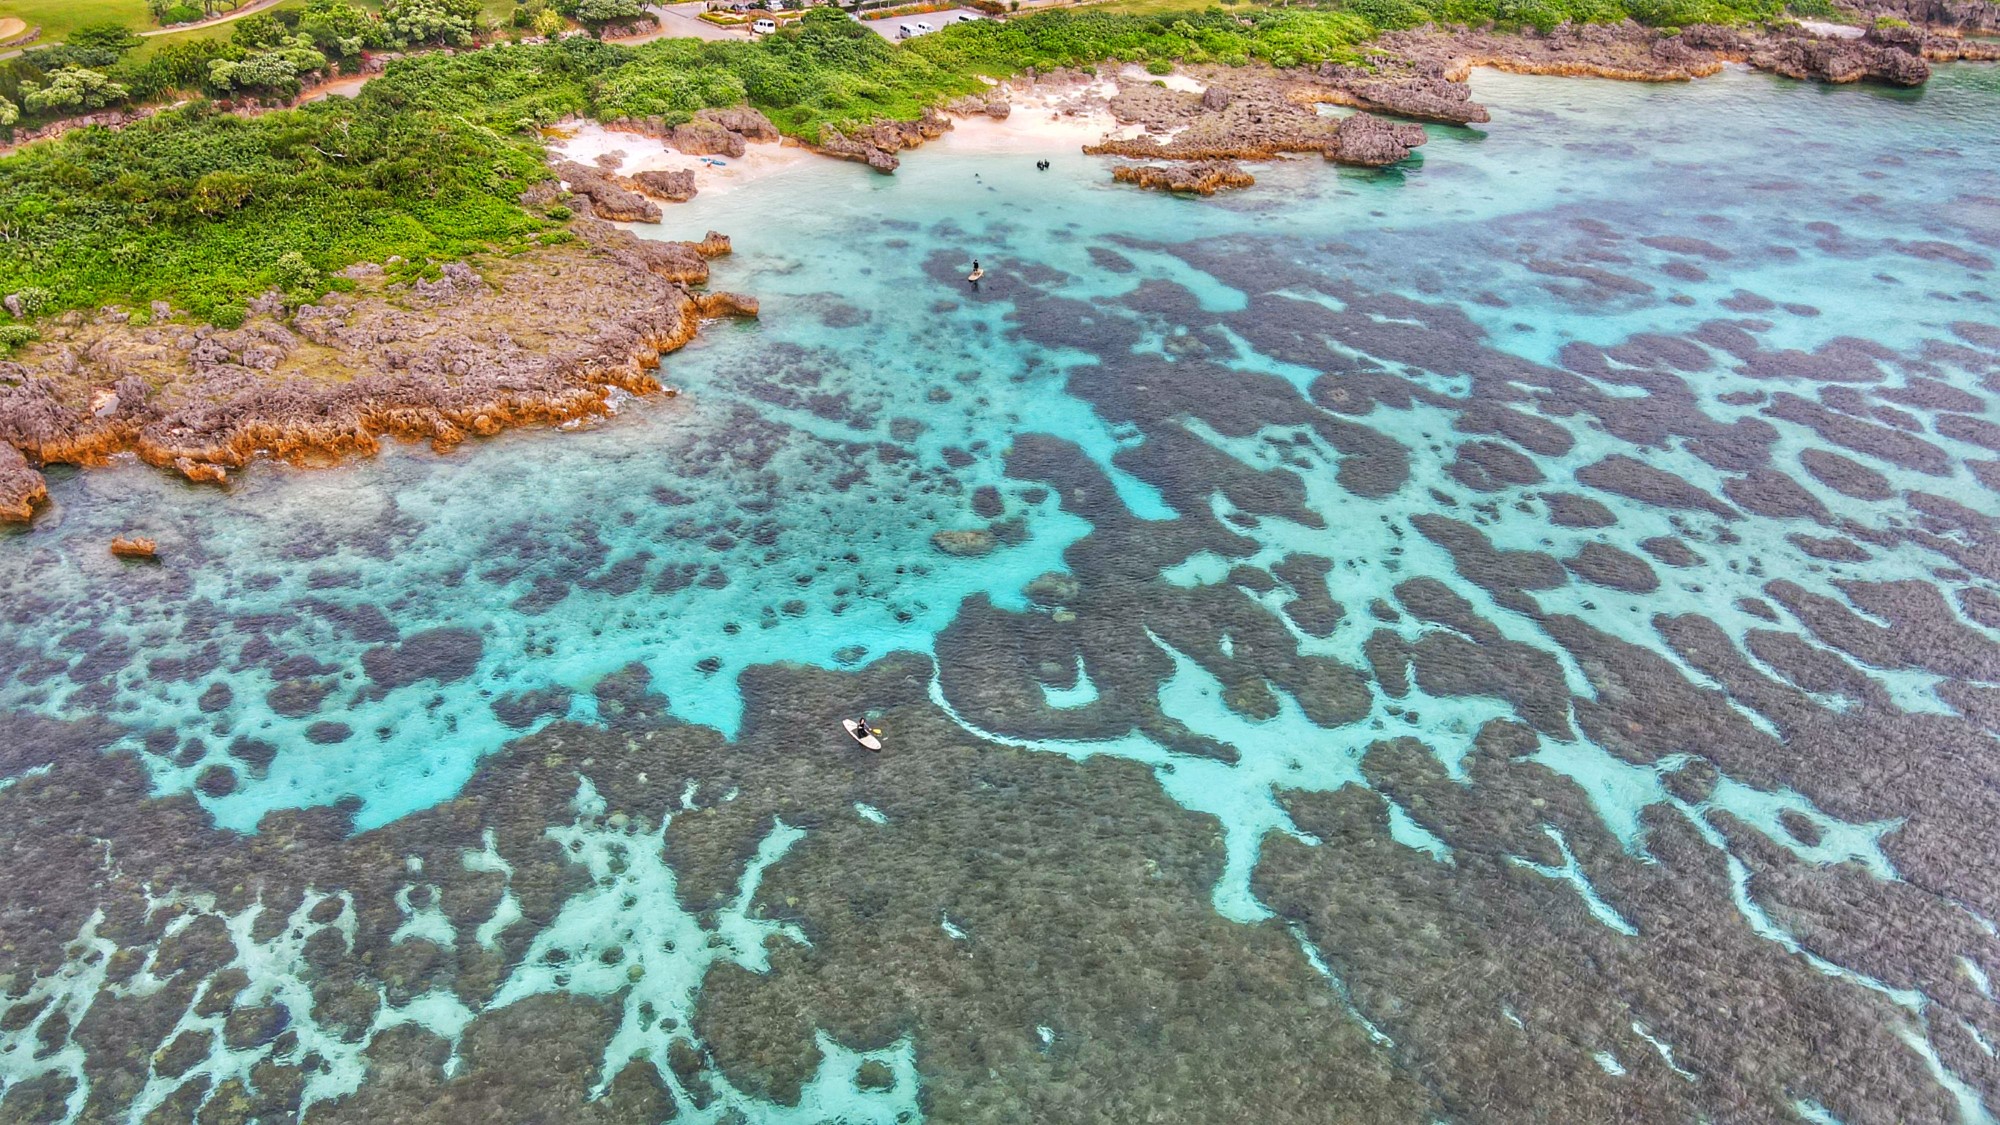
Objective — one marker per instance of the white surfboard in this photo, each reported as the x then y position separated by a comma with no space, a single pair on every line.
861,734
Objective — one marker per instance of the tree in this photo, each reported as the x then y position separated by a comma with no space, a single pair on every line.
9,112
221,192
97,46
179,65
72,87
431,21
256,31
338,28
604,11
276,70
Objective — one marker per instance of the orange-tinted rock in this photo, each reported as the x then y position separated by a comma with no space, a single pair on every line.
1201,178
21,487
542,339
135,548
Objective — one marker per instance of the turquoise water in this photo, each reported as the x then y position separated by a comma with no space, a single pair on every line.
1171,403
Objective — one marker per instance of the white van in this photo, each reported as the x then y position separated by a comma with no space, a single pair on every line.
967,17
903,31
764,27
924,28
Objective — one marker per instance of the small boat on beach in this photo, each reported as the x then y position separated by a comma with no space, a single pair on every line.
859,732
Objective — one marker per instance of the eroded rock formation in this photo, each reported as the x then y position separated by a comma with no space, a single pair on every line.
1200,178
675,186
21,487
607,196
877,145
537,339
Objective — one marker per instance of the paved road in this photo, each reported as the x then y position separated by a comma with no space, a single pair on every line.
253,6
887,28
678,21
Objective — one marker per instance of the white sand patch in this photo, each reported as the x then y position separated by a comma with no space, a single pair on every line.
1043,123
1832,30
586,141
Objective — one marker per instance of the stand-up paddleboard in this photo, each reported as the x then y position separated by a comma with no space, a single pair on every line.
975,275
861,734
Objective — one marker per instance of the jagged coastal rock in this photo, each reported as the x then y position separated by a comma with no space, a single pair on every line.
1251,115
21,487
1200,178
1370,141
135,547
609,199
877,145
675,186
541,338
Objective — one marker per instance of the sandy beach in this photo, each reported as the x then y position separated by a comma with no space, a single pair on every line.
1044,120
588,142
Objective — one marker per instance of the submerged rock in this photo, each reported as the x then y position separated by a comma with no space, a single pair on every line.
965,544
445,655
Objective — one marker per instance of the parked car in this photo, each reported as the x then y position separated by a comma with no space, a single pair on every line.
968,17
764,27
924,28
903,31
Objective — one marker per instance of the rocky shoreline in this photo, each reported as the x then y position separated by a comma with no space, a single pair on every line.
470,352
1258,113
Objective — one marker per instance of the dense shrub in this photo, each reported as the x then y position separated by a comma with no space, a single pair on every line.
207,210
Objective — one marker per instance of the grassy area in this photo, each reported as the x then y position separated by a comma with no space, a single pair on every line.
58,18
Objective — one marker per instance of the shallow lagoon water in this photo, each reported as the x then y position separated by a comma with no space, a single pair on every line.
1168,402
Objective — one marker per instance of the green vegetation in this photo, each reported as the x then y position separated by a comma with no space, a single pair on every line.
207,210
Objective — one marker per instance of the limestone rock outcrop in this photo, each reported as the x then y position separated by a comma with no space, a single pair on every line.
706,138
1204,177
877,145
21,487
676,186
1809,58
1244,116
1369,141
540,338
607,198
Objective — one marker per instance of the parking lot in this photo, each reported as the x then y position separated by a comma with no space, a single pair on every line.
886,28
